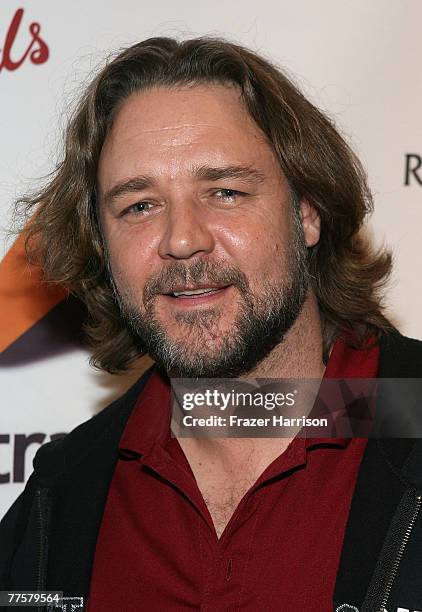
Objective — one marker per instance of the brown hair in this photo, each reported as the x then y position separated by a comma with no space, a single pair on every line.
64,236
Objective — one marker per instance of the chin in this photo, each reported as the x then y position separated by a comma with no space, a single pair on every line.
197,338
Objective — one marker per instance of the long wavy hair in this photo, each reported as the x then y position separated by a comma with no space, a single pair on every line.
63,234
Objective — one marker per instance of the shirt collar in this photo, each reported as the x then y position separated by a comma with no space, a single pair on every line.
149,422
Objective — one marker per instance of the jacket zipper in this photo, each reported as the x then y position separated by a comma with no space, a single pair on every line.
43,516
400,552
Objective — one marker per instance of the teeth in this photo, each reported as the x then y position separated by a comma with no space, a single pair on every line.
194,291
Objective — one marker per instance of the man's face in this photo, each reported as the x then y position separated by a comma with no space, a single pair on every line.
206,254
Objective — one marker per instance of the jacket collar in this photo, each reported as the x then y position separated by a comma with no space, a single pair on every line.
401,357
388,468
100,435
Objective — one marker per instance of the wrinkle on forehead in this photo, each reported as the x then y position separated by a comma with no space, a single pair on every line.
179,135
189,133
164,130
178,127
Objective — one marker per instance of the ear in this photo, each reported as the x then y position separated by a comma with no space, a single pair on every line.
311,222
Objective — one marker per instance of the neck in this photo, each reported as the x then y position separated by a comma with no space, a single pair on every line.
299,355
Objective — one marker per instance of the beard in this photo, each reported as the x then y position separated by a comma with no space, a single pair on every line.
202,349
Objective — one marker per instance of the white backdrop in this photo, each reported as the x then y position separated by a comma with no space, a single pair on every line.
358,60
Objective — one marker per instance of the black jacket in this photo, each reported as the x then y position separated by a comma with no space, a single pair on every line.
48,537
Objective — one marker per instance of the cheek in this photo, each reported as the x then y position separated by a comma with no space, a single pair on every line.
258,249
130,260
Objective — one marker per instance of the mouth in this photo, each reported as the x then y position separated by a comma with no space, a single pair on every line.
191,296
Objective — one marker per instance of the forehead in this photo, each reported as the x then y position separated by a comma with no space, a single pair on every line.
166,129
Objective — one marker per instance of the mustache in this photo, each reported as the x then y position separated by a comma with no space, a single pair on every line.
200,272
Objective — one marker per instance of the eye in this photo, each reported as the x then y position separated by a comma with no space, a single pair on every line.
138,208
228,195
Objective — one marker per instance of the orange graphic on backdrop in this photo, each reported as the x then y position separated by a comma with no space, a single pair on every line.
24,297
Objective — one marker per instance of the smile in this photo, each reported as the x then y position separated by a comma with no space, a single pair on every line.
196,296
191,292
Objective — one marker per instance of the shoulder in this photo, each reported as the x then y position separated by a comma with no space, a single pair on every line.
400,357
104,430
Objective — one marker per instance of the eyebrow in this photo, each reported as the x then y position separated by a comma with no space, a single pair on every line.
132,185
247,173
202,173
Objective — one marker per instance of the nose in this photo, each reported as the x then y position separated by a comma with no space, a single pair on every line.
187,232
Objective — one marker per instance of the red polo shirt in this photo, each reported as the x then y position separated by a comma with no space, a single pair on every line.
157,548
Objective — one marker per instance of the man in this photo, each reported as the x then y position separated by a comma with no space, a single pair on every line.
209,215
